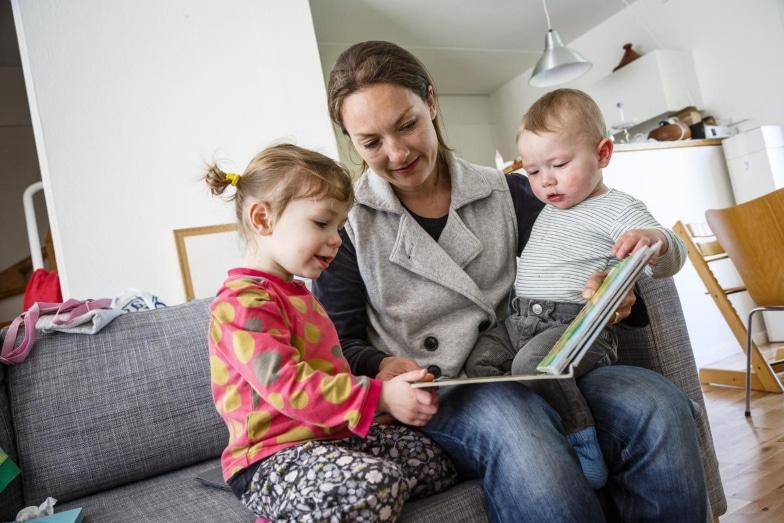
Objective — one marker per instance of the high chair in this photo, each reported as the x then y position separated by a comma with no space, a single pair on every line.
752,233
704,250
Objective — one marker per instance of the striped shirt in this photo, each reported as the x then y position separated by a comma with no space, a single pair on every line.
568,245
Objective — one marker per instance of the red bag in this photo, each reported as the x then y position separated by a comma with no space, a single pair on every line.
44,286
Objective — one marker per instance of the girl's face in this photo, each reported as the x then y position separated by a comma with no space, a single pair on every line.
392,130
302,241
564,168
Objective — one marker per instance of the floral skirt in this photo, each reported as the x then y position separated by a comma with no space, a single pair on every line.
353,479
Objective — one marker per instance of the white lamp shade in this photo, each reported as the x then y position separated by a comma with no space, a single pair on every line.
558,64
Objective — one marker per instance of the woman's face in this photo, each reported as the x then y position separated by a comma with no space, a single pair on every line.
392,130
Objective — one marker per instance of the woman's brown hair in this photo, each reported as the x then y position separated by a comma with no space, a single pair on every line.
376,62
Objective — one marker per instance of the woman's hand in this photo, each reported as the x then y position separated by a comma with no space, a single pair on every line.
405,403
624,308
395,366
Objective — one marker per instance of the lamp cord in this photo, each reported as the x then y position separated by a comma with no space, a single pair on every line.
547,15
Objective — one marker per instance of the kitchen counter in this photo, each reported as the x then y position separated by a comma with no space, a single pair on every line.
680,180
642,146
645,146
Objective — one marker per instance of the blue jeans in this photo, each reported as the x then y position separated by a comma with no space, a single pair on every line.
511,437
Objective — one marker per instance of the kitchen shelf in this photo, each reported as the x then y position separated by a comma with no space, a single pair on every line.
657,83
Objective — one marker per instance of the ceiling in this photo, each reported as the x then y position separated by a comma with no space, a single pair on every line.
470,47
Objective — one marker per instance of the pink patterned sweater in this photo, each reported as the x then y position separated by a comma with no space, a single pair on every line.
279,377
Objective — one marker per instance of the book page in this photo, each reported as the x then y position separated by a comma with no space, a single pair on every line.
445,382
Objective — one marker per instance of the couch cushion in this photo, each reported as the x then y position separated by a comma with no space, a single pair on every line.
92,412
173,497
462,503
179,497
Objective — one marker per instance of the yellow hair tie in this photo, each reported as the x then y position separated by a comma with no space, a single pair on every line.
234,178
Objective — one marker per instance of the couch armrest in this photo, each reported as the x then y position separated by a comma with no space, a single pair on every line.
92,412
11,500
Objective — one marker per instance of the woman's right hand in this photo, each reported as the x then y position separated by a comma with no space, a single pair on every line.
405,403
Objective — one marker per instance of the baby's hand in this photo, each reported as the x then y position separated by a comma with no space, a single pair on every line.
634,239
407,404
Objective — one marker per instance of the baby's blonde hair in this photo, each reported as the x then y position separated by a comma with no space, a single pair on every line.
564,108
279,174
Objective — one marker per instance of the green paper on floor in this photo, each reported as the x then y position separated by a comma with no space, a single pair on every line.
8,470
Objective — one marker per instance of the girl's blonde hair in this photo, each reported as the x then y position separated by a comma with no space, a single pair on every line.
279,174
564,108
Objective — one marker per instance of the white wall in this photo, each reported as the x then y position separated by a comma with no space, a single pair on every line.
129,98
467,128
736,46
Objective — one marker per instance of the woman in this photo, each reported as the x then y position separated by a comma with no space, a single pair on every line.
427,262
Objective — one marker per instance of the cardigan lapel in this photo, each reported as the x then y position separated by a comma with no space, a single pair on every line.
416,251
442,262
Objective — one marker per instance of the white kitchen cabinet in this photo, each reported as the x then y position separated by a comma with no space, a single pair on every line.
659,82
680,181
756,161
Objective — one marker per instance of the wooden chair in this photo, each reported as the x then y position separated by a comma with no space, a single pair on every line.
704,250
752,233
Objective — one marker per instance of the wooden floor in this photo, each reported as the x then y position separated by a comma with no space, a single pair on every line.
750,451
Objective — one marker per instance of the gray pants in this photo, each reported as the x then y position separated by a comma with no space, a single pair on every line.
518,344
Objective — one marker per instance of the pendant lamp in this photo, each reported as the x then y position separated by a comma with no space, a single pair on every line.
558,64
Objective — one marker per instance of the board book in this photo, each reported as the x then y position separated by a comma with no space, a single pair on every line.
584,329
74,515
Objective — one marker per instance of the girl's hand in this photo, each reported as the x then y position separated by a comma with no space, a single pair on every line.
405,403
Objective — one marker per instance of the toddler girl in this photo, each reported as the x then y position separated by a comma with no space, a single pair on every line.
303,445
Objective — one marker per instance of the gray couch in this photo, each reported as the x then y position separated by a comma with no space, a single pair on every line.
121,422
